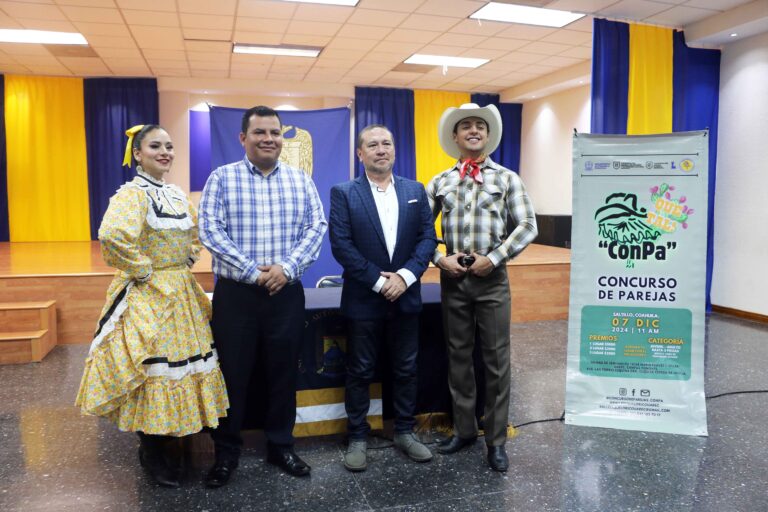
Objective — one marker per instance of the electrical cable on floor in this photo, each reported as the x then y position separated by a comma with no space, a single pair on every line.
736,393
389,442
561,418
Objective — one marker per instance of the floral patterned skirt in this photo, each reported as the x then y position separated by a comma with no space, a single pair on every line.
152,366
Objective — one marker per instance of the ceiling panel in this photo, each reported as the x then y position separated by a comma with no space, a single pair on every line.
425,22
148,5
208,7
306,40
272,26
101,29
327,13
313,28
99,42
87,3
456,8
52,25
32,11
207,21
361,45
202,34
266,9
149,37
391,5
377,17
364,32
151,18
679,15
92,14
635,9
459,39
479,28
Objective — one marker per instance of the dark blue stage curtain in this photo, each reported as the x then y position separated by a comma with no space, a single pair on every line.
4,229
508,152
112,105
696,97
610,76
394,109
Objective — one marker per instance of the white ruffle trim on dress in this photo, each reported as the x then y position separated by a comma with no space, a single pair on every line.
167,205
179,370
118,309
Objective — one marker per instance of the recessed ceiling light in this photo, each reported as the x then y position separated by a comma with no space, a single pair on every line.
350,3
444,60
734,34
509,13
283,50
9,35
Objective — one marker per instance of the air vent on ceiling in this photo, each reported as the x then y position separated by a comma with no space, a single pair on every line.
413,68
62,50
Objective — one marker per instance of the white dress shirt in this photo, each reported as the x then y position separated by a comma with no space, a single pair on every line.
388,208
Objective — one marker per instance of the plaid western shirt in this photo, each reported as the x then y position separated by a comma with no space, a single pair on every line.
248,219
478,217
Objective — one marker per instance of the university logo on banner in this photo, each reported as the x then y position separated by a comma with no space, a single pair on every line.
636,325
297,148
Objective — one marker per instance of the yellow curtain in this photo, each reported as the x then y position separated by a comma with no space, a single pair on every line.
650,80
47,162
428,106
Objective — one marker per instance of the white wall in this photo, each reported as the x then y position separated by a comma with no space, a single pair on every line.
740,279
546,160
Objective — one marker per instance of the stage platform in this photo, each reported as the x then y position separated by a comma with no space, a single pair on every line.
76,277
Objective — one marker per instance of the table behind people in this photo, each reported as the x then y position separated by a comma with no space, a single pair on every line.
319,367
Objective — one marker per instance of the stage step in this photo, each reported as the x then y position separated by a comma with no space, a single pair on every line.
27,331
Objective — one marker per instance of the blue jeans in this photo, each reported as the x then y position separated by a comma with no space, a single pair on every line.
365,340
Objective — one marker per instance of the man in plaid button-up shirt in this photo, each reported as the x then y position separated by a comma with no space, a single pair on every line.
263,222
487,219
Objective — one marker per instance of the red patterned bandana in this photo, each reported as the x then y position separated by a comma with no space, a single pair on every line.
471,168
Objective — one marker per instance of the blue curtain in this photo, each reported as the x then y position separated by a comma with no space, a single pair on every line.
4,229
508,152
696,86
394,109
112,105
610,76
199,149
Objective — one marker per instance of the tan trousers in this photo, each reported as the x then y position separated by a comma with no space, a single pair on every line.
484,303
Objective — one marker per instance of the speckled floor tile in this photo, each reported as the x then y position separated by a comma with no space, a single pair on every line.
53,459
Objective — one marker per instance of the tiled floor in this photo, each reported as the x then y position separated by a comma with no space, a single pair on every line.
51,459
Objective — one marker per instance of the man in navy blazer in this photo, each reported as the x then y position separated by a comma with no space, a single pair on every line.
382,234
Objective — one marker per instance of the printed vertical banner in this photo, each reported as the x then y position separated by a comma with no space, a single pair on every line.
638,270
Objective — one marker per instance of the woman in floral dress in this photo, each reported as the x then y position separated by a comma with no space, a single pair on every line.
152,367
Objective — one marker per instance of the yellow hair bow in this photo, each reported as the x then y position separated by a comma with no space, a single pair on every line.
130,132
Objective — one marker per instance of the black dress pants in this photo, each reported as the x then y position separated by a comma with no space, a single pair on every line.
254,332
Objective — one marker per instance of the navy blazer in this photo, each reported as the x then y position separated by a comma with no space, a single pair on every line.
357,242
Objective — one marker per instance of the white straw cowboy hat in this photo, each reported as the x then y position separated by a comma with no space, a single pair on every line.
489,114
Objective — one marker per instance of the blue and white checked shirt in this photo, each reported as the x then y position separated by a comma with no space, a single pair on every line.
247,220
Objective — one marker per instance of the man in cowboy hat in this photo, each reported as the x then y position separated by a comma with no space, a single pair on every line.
480,201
